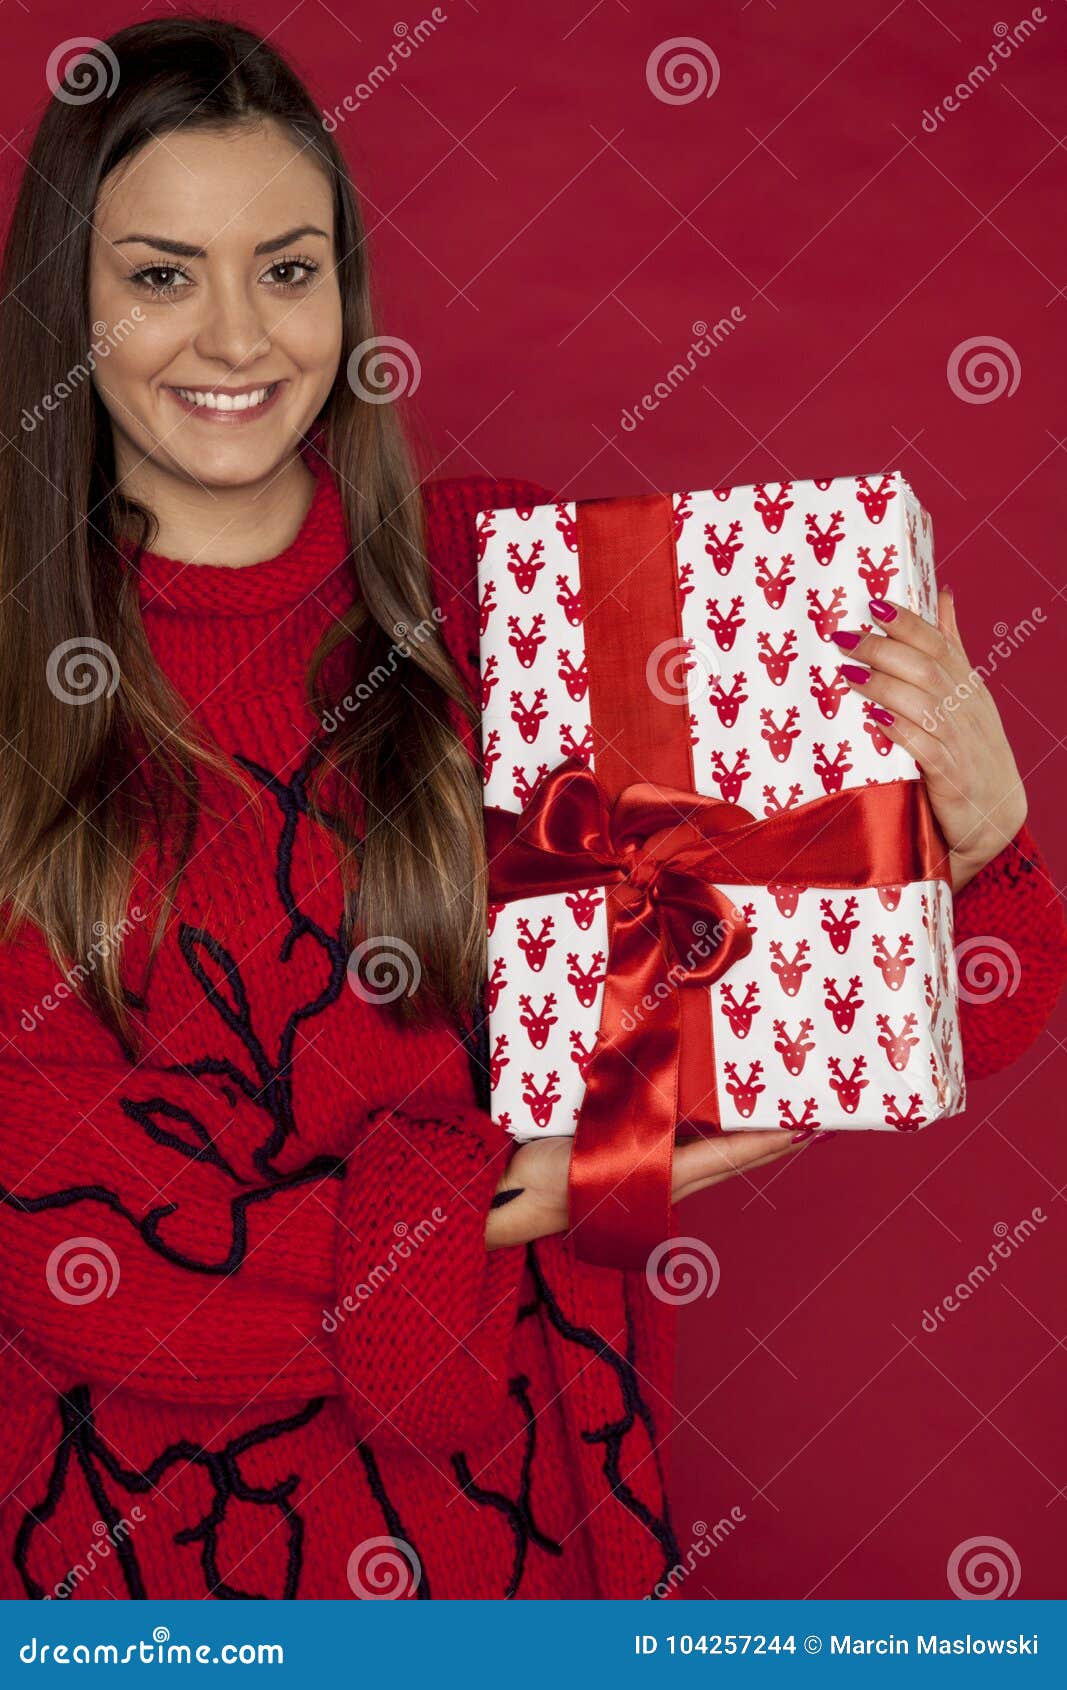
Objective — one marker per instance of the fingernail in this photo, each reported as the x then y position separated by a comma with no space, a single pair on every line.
805,1132
852,672
833,1133
847,639
884,612
877,714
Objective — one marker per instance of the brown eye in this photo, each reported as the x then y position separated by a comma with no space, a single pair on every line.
292,274
161,279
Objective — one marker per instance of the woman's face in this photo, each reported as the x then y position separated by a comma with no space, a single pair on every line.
223,241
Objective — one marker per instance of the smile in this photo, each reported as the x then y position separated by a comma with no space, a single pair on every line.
220,404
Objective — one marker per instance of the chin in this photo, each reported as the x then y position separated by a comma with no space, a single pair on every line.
233,463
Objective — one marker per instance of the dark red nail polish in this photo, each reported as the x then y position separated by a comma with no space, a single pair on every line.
852,672
805,1132
877,714
846,639
884,612
833,1132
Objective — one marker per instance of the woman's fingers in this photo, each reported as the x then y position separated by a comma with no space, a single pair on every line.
905,627
900,698
907,649
930,754
708,1161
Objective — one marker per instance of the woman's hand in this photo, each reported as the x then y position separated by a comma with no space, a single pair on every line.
929,699
538,1172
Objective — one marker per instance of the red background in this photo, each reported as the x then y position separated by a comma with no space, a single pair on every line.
546,233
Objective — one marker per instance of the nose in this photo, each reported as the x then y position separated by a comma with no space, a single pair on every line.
232,329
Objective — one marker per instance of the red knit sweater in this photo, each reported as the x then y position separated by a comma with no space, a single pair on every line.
191,1409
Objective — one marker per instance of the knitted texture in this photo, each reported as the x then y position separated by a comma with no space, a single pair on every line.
254,1343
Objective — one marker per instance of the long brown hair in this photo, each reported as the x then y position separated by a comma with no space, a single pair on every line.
82,788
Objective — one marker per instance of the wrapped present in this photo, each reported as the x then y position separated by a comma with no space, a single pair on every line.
718,897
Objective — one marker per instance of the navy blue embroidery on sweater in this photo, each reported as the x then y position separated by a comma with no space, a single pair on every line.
149,1225
392,1519
635,1412
1017,865
518,1512
85,1451
268,1084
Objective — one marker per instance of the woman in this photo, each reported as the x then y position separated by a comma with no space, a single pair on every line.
281,1316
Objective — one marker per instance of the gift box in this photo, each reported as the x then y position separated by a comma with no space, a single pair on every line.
718,898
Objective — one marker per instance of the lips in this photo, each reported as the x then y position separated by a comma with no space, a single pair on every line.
226,405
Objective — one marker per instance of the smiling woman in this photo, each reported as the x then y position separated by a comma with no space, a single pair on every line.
263,1099
238,328
274,1286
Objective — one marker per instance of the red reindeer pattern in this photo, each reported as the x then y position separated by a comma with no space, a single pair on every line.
739,1015
774,586
722,551
525,570
770,629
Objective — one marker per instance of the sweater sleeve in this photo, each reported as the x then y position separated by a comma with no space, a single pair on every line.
452,509
143,1248
1011,953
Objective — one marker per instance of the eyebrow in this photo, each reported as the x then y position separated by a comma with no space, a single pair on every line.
182,249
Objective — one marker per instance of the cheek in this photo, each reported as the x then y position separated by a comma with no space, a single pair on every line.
139,344
311,337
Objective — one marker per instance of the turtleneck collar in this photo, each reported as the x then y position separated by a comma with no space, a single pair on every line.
236,642
170,587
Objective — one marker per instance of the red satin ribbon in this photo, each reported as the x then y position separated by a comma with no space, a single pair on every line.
662,850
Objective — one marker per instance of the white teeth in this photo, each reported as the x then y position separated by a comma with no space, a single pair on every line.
225,401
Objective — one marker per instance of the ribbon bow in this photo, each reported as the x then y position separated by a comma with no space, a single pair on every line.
660,852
